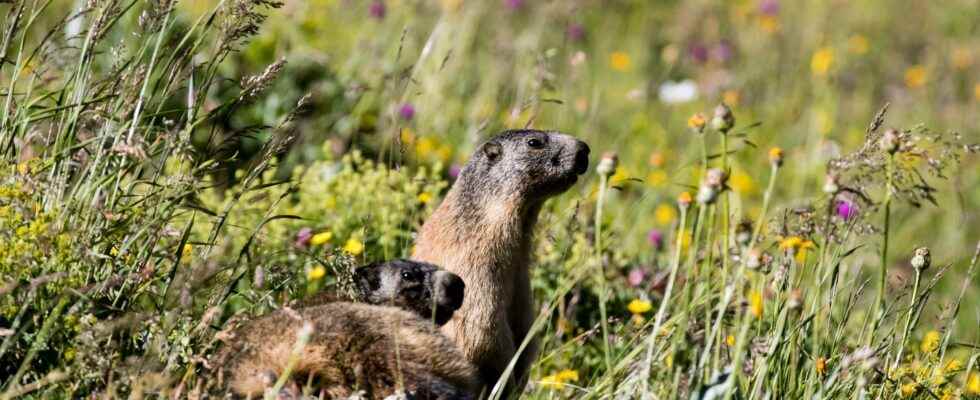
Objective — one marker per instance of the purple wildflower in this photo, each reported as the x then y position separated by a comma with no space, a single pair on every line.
846,209
723,51
769,7
406,111
636,277
303,238
576,32
454,171
514,4
378,9
656,239
698,53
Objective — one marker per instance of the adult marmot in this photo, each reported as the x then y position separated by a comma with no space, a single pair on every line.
342,348
482,232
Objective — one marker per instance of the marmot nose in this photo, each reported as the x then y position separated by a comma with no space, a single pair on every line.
581,157
451,287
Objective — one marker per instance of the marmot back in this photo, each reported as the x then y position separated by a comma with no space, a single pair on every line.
352,347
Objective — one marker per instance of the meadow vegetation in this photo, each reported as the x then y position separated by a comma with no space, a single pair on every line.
783,203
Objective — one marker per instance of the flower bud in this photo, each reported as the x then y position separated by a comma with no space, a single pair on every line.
684,200
707,194
921,259
776,156
890,141
607,165
697,123
723,120
830,185
756,259
716,178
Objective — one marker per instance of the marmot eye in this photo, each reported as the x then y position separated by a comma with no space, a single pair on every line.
407,275
535,143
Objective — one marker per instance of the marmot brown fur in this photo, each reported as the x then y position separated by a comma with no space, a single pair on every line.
482,231
350,347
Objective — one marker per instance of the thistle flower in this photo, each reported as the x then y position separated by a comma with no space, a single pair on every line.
303,237
575,32
377,9
776,156
406,111
715,181
698,53
454,171
724,119
921,259
890,141
514,4
723,51
846,209
697,123
636,277
769,7
607,165
656,239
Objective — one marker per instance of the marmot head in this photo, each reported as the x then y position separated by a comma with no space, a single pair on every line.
420,287
531,164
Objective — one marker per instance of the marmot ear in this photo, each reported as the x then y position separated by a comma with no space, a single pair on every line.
493,150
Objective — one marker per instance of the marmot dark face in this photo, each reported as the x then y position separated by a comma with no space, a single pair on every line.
536,164
422,288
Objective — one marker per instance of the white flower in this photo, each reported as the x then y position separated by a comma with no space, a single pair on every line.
678,92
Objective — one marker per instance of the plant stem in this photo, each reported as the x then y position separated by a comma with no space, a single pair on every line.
908,319
880,302
658,321
603,180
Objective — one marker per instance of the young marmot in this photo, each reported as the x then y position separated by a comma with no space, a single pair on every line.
482,232
369,348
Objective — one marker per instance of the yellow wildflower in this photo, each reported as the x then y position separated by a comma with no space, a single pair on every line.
657,159
639,306
620,61
697,122
909,389
425,146
354,246
953,365
821,61
186,252
743,183
664,214
23,168
620,176
557,380
316,273
930,342
756,306
731,97
857,44
948,394
776,156
730,340
425,197
321,238
973,384
962,58
821,365
797,247
769,23
915,76
976,91
657,178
